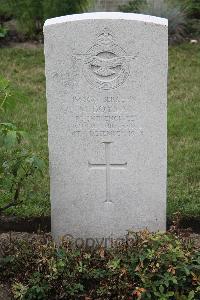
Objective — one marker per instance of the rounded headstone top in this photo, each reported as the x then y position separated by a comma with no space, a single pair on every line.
108,16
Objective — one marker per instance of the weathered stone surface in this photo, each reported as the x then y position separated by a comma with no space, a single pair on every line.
107,96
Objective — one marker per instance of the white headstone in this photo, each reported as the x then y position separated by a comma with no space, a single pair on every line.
107,98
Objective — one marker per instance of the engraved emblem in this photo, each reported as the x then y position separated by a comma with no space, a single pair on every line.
106,64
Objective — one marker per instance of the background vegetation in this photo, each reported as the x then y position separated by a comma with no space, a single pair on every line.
31,15
25,69
183,15
28,16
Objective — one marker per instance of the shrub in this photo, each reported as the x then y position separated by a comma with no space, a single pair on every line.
133,6
174,13
4,11
17,163
146,266
193,8
3,32
193,12
54,8
31,15
28,14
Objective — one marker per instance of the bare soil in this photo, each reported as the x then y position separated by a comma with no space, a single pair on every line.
26,45
31,225
5,293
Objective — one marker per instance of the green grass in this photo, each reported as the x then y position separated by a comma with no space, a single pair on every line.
25,69
184,130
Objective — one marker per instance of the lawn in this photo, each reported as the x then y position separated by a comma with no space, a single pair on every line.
25,69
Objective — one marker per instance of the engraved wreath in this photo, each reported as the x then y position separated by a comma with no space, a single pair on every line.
106,63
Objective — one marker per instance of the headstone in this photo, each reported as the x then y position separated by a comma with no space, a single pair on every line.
106,79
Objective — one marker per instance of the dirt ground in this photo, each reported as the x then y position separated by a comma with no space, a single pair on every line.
26,45
5,293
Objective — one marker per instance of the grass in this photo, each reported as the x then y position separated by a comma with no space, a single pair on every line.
25,69
184,130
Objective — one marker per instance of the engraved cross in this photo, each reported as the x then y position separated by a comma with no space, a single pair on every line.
107,166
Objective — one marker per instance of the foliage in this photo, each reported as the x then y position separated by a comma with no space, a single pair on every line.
174,13
4,11
29,15
4,93
133,6
3,32
193,8
145,266
7,101
32,14
193,28
16,162
29,114
54,8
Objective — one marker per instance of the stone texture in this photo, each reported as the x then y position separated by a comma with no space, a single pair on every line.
106,79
